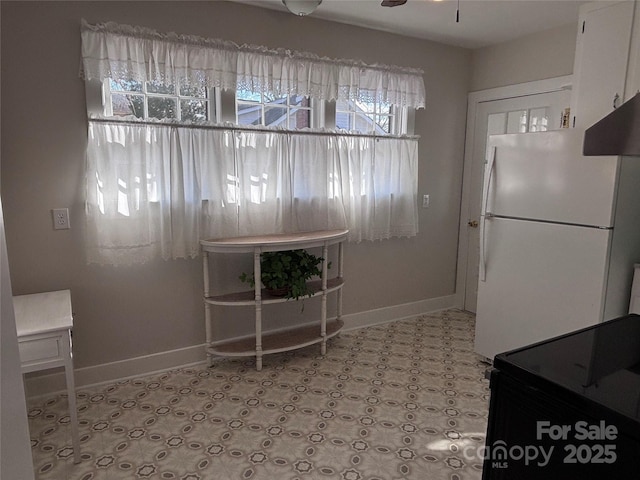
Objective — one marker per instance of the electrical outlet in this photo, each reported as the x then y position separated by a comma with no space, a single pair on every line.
60,218
425,201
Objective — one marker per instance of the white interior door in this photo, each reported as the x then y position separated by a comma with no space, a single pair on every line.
528,113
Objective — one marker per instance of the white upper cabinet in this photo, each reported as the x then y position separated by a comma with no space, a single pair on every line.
602,60
633,72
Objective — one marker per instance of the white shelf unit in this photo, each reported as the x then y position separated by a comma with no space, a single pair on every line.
266,342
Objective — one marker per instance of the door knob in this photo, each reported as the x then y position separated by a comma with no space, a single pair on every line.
472,223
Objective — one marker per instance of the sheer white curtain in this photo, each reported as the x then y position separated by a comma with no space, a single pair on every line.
156,190
381,175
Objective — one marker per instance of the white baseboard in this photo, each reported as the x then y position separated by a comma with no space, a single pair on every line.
398,312
38,384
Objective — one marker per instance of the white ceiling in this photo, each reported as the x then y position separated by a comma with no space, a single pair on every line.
482,22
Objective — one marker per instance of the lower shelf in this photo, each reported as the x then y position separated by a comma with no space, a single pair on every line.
277,342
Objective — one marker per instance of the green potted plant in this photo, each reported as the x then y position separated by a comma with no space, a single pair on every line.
286,273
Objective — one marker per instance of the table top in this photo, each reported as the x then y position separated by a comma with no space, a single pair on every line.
43,312
277,241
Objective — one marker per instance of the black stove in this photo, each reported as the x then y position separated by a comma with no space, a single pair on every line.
573,402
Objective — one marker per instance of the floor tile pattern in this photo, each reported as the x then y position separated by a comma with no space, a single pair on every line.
404,400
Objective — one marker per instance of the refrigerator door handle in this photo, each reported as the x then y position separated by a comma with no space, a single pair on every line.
487,180
483,261
485,215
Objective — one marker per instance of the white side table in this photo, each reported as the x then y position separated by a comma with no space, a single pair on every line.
44,322
265,342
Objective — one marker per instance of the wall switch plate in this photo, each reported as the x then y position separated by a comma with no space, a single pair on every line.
425,201
60,218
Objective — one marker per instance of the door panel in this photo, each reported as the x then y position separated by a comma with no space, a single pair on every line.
602,54
542,280
543,176
512,115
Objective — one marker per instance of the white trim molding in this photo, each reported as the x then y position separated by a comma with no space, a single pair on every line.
398,312
474,100
47,384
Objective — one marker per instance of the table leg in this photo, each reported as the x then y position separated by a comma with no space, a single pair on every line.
257,274
73,407
207,308
323,308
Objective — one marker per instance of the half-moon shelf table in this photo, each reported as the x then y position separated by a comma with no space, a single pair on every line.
265,342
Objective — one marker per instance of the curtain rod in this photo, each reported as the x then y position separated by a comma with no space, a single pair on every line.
252,129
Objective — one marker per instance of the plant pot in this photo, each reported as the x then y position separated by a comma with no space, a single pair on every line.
278,292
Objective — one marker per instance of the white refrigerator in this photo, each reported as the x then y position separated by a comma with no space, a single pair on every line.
559,235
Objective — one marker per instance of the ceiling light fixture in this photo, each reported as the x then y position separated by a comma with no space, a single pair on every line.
301,7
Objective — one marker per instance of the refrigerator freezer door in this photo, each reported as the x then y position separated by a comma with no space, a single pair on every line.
542,280
543,176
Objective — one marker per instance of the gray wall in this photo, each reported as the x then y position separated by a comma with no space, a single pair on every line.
127,312
538,56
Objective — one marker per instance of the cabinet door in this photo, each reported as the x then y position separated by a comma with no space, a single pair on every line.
633,71
602,54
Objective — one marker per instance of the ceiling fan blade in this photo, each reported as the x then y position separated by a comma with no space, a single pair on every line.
393,3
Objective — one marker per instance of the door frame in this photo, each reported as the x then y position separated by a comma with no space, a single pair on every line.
474,100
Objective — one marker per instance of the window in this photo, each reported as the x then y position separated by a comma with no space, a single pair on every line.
532,120
155,100
222,180
370,117
291,112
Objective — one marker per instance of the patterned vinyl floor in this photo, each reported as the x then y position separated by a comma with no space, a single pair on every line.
404,400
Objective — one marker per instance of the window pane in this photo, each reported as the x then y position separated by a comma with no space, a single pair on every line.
125,86
193,91
249,114
344,105
268,109
365,117
299,101
248,96
160,107
193,110
299,118
343,120
271,98
158,87
124,105
384,108
538,120
517,121
275,116
383,124
364,123
365,107
156,100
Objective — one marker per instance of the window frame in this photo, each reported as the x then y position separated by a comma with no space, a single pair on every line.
398,118
222,108
263,105
106,108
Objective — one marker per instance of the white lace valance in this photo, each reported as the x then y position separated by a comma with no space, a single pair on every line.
123,52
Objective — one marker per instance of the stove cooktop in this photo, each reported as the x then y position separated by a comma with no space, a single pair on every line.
601,363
